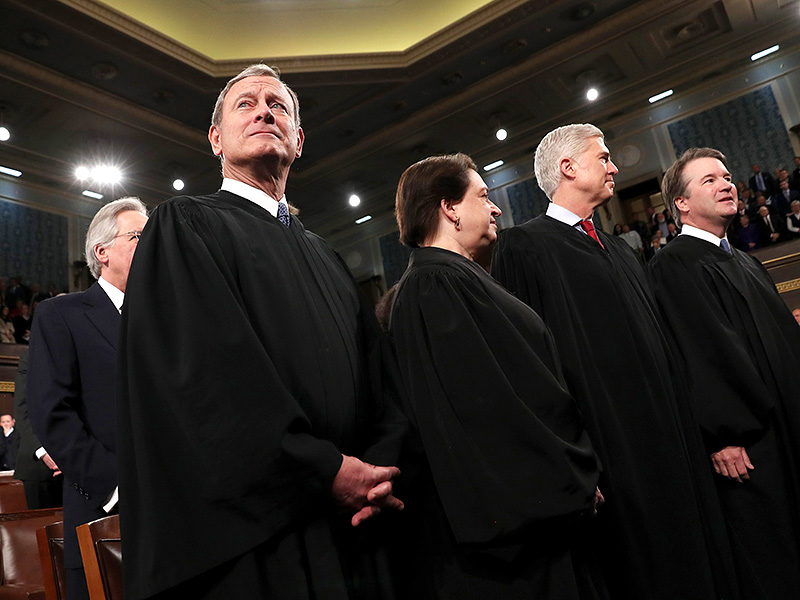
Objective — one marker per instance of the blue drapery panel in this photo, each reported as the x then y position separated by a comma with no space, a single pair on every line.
527,200
33,245
395,257
748,130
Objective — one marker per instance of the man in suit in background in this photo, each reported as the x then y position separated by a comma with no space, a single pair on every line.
72,377
771,225
10,442
762,182
37,471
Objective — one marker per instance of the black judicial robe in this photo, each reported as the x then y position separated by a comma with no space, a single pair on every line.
509,466
248,364
596,302
739,347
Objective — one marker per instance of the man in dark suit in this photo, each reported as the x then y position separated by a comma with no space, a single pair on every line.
10,442
762,182
782,200
772,227
35,468
73,365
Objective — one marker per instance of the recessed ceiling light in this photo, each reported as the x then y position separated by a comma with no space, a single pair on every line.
766,52
592,94
363,219
8,171
106,174
660,96
354,200
5,134
92,194
501,134
493,165
82,173
178,184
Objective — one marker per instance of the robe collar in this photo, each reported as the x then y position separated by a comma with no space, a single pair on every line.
255,195
701,234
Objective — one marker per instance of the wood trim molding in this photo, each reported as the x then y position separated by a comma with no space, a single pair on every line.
7,387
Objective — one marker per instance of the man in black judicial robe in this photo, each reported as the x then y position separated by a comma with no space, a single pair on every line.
739,347
237,449
654,536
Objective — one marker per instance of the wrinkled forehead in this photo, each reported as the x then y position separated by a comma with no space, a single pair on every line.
255,84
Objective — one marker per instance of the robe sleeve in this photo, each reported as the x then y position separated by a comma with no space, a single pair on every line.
730,399
512,267
502,436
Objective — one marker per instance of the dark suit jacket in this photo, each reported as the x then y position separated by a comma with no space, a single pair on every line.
71,401
769,183
10,444
778,225
28,467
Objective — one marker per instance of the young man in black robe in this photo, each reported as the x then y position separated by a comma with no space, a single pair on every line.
739,347
653,535
239,431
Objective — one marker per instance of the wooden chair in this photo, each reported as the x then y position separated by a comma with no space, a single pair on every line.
12,495
101,550
51,555
20,569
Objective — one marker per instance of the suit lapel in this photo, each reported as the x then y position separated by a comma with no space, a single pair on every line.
102,313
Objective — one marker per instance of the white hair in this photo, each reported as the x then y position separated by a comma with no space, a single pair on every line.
569,141
104,228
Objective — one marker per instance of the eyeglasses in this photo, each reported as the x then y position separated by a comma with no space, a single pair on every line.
134,235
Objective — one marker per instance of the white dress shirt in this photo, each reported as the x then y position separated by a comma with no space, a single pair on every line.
255,195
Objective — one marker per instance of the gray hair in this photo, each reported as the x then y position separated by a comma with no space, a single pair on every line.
104,228
569,141
259,69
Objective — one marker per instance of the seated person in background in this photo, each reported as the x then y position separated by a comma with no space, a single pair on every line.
617,229
632,239
673,232
22,324
6,326
748,236
656,244
10,442
760,200
796,315
795,178
793,221
502,488
783,199
771,225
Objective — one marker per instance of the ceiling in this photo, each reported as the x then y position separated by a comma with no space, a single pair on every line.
382,83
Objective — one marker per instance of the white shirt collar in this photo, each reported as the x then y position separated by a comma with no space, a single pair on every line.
115,295
701,234
559,213
9,432
255,195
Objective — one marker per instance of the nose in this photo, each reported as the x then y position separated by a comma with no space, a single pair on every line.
264,113
612,168
496,212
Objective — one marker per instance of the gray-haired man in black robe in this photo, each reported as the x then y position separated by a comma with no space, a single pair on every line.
739,347
239,427
656,536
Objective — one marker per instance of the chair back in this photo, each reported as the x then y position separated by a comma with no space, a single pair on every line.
12,495
101,550
51,555
20,568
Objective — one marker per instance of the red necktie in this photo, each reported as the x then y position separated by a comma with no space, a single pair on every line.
588,227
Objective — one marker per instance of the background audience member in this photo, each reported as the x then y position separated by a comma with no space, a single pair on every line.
783,199
6,326
771,227
633,239
762,181
748,236
9,442
795,179
22,323
793,220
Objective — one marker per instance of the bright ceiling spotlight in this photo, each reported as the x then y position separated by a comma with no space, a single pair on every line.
354,200
106,174
82,173
764,53
501,134
5,134
178,185
592,94
494,165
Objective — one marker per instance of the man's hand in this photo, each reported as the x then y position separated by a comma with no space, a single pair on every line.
732,462
51,464
364,488
598,500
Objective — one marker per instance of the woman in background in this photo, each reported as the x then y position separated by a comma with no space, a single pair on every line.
506,470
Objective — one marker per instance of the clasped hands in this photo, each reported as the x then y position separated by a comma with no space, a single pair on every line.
364,489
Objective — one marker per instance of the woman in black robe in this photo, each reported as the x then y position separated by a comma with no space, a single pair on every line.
506,471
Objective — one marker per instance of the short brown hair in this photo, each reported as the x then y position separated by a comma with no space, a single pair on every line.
673,185
422,187
256,70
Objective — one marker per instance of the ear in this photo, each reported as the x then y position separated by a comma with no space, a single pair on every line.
682,204
300,138
448,208
101,254
214,139
567,168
